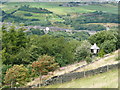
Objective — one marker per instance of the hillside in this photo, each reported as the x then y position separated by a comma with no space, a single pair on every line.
107,60
104,80
44,43
57,9
53,14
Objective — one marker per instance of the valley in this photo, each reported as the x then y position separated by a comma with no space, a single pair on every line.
51,43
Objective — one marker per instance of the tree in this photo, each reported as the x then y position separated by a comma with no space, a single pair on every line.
12,41
36,31
58,47
44,65
4,69
90,27
108,46
106,40
16,76
83,51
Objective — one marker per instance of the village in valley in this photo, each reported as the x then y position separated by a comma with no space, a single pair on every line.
49,44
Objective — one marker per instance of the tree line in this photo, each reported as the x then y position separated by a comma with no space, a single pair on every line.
92,17
34,10
26,56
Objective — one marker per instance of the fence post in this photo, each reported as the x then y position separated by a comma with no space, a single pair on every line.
84,73
107,67
61,79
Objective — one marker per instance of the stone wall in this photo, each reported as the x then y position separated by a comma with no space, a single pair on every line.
76,75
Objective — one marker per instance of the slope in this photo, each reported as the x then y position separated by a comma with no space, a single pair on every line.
104,80
106,60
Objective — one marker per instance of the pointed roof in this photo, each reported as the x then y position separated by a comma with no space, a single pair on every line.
94,46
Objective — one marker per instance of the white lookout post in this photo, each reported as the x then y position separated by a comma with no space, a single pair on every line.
94,49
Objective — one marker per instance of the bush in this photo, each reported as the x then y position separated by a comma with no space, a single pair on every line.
34,10
28,14
4,69
60,48
88,59
5,87
90,27
83,51
118,58
106,40
36,31
29,67
101,53
108,46
16,76
44,65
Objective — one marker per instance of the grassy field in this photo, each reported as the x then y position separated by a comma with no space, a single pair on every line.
59,12
59,16
104,80
111,59
105,8
51,17
54,7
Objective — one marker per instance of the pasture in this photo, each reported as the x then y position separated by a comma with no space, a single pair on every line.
60,10
59,13
104,80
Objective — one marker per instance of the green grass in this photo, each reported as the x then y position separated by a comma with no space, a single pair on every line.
9,8
105,8
57,11
40,16
104,80
54,7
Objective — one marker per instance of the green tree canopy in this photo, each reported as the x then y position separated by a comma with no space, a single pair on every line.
12,41
83,51
16,75
106,40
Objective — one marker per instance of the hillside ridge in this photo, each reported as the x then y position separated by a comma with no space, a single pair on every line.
106,60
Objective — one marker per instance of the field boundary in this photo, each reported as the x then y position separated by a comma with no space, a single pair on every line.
76,75
89,63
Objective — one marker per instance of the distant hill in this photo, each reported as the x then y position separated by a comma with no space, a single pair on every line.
59,0
65,15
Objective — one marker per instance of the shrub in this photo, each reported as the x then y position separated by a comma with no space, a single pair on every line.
4,69
88,59
118,58
28,14
83,51
106,40
44,65
16,76
101,53
5,87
